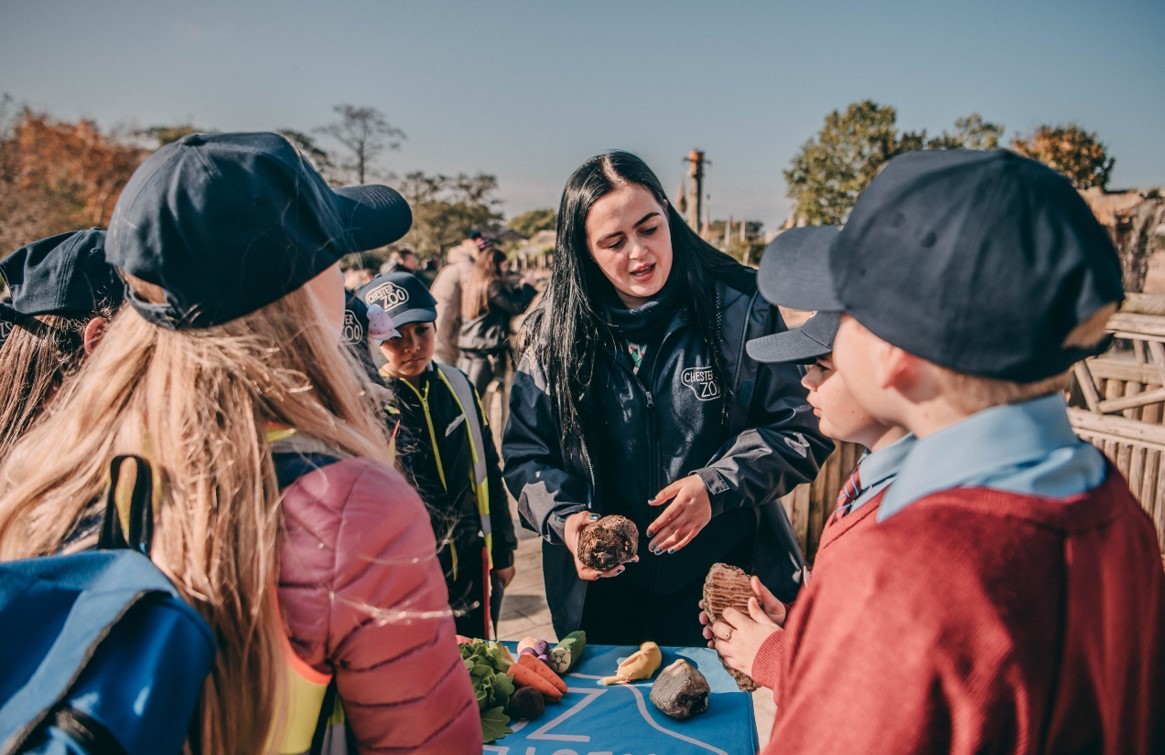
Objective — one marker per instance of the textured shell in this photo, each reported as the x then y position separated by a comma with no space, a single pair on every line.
681,691
727,587
607,542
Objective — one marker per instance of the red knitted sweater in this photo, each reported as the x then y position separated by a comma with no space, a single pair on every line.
978,620
766,666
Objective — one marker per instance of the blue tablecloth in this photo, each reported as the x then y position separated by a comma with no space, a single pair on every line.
593,719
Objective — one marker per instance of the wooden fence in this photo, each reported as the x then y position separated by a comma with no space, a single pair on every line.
1116,402
809,505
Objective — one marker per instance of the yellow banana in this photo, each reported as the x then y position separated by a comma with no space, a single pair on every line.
639,665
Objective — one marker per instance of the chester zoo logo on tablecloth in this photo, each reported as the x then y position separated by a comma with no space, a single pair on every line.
388,295
702,381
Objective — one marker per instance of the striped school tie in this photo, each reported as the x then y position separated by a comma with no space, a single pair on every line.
848,494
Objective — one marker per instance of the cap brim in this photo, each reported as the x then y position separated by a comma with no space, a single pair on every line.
798,346
794,271
400,319
373,215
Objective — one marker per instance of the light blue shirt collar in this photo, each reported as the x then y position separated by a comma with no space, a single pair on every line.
1026,448
878,468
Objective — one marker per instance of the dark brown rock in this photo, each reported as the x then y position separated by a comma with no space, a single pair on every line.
607,542
681,691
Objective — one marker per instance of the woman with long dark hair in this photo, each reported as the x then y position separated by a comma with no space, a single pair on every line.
488,304
634,397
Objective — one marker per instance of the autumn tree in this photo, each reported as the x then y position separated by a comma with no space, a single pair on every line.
533,221
366,134
834,167
447,208
167,133
57,176
971,132
1070,149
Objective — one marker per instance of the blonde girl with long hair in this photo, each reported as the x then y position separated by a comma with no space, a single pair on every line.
62,295
230,357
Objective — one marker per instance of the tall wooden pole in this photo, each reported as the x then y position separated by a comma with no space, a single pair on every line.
696,162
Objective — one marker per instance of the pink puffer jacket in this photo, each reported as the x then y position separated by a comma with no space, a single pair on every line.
363,597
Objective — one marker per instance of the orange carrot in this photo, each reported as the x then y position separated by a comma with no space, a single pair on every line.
543,671
525,676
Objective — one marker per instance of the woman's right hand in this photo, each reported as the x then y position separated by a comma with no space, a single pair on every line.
574,525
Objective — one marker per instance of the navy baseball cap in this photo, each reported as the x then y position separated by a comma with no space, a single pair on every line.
363,322
228,223
64,274
403,296
801,345
981,262
794,271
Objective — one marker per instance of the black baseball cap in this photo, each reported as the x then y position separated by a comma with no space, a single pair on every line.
403,296
363,322
979,261
64,274
801,345
794,271
228,223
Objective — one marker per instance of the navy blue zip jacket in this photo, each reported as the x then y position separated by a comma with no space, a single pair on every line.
647,430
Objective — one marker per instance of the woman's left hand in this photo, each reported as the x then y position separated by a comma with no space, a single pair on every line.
689,512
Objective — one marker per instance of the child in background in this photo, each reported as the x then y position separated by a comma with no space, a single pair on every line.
752,644
1010,597
446,449
63,294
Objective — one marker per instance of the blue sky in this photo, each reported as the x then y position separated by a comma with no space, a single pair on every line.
528,90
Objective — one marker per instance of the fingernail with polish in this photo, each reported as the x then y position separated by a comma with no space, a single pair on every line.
620,570
671,550
650,533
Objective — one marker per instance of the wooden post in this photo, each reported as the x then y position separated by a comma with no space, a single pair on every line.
695,202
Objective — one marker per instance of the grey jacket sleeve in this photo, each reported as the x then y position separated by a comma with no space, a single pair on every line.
536,470
505,542
780,448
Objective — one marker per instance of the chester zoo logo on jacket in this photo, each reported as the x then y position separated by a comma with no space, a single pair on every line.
388,295
702,381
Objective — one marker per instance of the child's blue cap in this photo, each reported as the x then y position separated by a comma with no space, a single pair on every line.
794,273
802,345
403,296
228,223
64,274
981,262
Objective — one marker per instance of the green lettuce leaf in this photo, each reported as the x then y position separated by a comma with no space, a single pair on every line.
494,724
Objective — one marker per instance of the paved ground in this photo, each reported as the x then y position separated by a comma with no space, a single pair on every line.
524,613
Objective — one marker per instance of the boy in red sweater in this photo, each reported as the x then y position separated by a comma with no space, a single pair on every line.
752,643
1010,597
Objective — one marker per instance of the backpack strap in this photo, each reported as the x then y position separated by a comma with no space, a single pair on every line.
295,455
463,392
128,521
